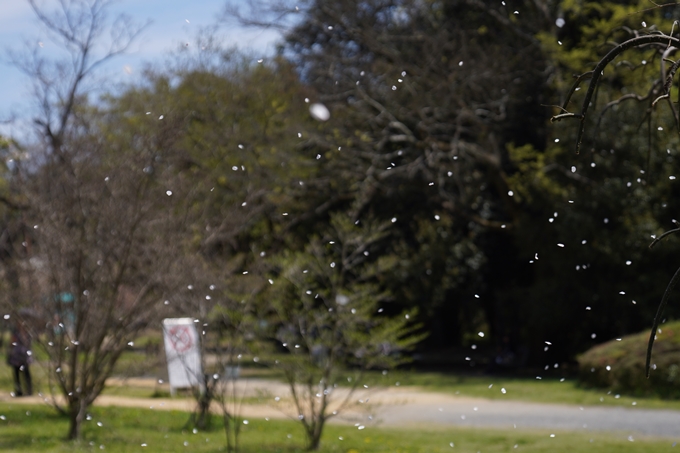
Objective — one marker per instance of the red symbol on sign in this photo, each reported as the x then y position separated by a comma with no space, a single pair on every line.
181,339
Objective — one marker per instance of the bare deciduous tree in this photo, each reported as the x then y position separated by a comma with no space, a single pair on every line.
77,28
103,236
99,209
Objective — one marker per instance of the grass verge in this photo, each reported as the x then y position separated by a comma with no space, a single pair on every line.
546,390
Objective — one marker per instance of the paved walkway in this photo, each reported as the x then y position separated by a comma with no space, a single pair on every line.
410,407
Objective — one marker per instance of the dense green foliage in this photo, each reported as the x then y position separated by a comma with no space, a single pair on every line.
500,226
424,101
614,196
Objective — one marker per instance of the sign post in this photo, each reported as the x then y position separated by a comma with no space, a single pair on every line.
183,353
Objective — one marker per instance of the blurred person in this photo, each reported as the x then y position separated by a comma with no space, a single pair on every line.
19,358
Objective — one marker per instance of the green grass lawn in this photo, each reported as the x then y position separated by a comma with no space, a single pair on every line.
38,429
546,390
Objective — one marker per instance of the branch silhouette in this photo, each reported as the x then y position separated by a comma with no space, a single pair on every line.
596,74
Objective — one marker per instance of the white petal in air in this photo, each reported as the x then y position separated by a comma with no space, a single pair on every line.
319,112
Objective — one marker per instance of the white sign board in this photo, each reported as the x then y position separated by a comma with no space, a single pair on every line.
183,352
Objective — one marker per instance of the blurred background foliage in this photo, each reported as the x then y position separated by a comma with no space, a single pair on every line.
439,127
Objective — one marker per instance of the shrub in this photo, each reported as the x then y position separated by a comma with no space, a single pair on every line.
620,364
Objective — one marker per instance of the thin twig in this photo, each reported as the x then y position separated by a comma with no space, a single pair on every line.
657,318
664,299
669,82
626,97
555,106
562,116
663,236
656,6
575,85
663,96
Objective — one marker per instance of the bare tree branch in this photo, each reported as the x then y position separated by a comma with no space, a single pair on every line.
77,27
598,71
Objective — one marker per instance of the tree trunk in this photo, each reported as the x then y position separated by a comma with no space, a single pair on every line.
315,435
231,430
314,443
77,412
204,398
203,418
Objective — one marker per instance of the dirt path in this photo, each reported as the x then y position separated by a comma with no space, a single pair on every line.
411,408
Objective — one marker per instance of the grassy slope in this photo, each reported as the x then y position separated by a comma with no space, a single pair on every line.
620,363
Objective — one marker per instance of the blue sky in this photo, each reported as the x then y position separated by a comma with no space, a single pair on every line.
172,22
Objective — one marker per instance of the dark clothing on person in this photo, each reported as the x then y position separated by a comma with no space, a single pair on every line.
19,358
27,380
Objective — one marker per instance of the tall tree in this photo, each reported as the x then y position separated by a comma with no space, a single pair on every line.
424,97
